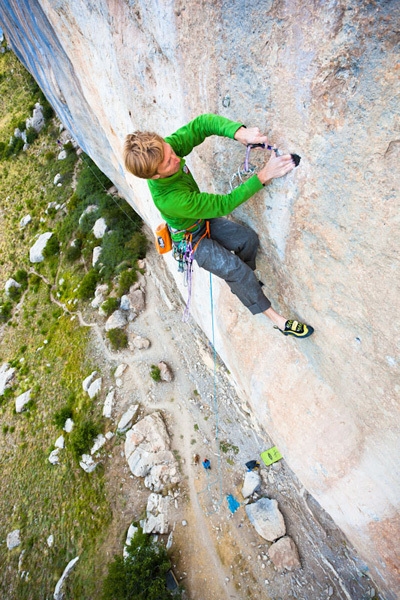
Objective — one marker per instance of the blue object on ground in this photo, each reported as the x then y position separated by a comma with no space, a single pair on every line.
233,504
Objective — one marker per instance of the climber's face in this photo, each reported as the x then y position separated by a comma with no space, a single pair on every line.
169,165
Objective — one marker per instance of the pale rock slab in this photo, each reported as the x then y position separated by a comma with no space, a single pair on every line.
99,442
108,404
37,119
36,252
62,155
120,370
22,400
87,463
157,514
50,540
10,283
266,518
100,295
126,420
95,258
13,539
95,388
252,482
118,320
68,426
54,458
25,221
125,304
6,376
165,372
147,452
89,209
99,228
57,179
284,555
141,343
58,593
60,442
136,300
88,381
129,536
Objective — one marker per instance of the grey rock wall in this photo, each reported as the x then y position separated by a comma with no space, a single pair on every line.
320,79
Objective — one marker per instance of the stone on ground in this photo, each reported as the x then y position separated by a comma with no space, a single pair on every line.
284,555
266,518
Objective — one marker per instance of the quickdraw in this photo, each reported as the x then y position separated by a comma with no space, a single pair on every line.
183,252
246,169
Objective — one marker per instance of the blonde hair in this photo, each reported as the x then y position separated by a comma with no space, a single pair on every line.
143,153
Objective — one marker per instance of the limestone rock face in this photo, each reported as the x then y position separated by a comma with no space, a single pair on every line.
319,79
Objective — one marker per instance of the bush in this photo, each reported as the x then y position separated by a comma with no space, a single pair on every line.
88,285
126,279
110,305
74,252
14,293
142,575
82,437
21,277
52,247
62,415
155,373
31,135
118,339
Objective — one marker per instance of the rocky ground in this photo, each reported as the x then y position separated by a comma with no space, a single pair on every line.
216,554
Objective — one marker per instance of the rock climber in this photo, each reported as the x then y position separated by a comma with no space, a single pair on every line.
226,249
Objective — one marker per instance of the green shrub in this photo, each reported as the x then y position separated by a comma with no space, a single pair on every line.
110,305
142,575
88,285
82,437
31,135
74,252
21,277
14,293
34,282
118,338
155,373
62,415
125,280
52,247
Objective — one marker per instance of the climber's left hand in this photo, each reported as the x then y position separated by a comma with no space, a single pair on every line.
250,135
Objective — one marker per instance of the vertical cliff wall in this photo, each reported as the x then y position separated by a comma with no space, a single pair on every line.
320,78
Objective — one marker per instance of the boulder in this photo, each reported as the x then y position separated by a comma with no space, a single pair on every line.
89,209
118,320
284,555
129,536
36,252
6,376
96,256
99,442
124,303
54,459
22,400
120,370
68,426
148,454
157,514
13,539
25,221
100,295
140,342
165,371
252,482
99,228
266,518
57,179
108,404
88,381
58,593
62,155
125,421
11,283
95,388
136,300
60,442
36,121
87,463
50,540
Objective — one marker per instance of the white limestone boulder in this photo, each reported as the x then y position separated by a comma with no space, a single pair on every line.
125,421
108,404
36,252
13,539
99,228
266,518
252,482
118,320
22,400
58,592
284,555
6,377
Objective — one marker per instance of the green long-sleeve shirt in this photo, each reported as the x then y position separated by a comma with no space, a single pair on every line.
178,197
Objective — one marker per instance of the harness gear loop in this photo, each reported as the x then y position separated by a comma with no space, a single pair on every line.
183,252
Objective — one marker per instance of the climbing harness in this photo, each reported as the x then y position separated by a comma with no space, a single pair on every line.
183,252
246,169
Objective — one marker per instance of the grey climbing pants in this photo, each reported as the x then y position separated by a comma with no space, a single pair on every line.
230,253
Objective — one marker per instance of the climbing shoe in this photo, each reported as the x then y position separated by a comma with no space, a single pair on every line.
300,330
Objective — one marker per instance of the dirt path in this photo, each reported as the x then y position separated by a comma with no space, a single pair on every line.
217,555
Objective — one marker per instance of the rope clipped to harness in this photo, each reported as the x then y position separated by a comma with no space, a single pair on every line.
246,169
183,252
